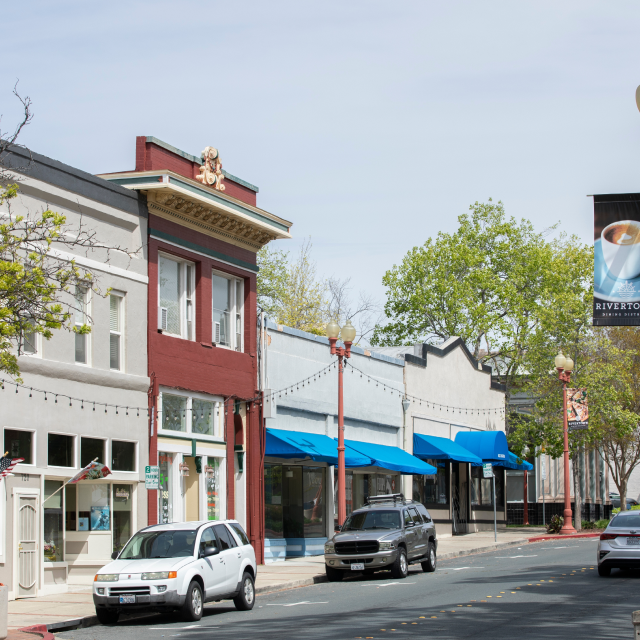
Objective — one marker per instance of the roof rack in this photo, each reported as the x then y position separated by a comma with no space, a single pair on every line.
395,497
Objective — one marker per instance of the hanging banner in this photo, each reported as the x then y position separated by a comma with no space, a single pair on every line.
616,284
577,409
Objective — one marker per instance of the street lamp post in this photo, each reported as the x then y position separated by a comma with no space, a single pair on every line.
565,367
347,333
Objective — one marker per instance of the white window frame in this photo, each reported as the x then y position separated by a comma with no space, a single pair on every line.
185,303
87,336
217,402
136,461
121,296
105,450
34,434
76,461
233,311
38,346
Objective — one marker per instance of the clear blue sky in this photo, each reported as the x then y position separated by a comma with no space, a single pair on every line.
371,125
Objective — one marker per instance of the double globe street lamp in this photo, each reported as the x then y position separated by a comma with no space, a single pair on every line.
565,367
348,334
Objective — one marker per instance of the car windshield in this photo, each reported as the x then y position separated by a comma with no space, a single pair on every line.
159,544
366,520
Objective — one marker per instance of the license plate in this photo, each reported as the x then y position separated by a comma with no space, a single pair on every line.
357,566
127,599
634,541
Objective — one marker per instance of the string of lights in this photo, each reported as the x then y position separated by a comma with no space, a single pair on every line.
90,403
427,403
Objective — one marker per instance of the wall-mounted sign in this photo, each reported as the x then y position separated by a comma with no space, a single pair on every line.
487,470
151,475
122,493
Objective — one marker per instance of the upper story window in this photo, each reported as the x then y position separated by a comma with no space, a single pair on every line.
30,342
176,296
228,298
81,311
116,331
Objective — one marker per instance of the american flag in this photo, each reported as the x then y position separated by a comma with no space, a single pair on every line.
7,464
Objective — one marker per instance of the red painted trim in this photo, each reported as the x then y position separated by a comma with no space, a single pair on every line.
231,460
557,536
40,629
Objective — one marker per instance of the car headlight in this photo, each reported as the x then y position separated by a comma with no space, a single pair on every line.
387,546
106,577
160,575
329,547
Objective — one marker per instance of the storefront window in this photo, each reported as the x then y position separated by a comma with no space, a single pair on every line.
123,456
432,490
18,444
93,507
313,501
482,488
202,417
53,521
273,500
165,484
122,514
212,479
350,490
60,452
174,412
70,515
90,449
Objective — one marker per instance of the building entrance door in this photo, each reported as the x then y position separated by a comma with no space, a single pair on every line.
460,489
28,565
192,491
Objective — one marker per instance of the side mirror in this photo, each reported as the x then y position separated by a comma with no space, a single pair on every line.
207,552
337,528
114,555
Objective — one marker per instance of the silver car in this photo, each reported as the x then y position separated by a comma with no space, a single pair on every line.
619,545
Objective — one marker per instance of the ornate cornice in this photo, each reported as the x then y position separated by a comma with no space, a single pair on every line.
208,219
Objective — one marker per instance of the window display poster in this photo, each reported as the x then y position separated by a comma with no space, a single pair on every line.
83,524
100,519
616,285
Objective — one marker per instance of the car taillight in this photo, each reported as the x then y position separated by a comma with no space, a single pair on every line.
173,574
608,536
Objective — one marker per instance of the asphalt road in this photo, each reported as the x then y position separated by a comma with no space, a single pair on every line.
536,591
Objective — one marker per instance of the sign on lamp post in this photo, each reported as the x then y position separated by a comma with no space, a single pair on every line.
487,472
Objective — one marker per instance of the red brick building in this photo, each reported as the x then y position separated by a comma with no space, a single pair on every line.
203,234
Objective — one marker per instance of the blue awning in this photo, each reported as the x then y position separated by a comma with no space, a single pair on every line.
512,463
489,446
435,448
315,446
392,458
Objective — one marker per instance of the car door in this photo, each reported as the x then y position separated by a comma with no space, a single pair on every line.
214,572
420,546
409,533
231,555
430,527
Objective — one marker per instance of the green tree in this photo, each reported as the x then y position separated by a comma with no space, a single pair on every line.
495,282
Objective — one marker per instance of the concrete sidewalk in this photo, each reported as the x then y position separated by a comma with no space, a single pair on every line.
75,608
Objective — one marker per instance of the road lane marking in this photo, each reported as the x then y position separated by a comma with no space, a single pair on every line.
292,604
513,557
461,568
388,584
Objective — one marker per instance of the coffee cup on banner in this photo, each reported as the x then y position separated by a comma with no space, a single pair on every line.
621,249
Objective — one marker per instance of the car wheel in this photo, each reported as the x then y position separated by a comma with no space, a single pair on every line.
429,564
604,571
192,607
400,568
333,575
107,616
245,600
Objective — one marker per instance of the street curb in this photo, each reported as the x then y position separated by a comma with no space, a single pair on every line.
89,621
557,536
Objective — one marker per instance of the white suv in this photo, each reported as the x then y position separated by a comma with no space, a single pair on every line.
178,566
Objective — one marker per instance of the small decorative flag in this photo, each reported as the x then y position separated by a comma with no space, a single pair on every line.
93,471
7,463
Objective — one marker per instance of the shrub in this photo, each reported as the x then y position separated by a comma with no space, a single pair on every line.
586,524
602,524
555,524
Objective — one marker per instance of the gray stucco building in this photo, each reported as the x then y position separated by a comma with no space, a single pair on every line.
83,397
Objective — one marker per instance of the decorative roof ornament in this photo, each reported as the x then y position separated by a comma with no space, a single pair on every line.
211,169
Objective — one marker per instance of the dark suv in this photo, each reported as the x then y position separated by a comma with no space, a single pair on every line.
389,532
